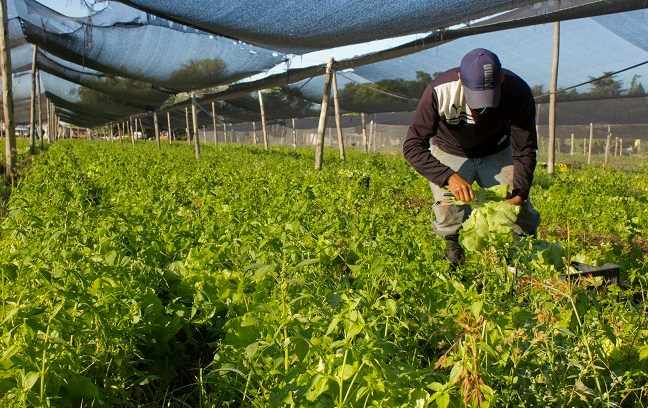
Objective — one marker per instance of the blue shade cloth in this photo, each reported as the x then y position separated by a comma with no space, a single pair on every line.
298,26
151,53
138,57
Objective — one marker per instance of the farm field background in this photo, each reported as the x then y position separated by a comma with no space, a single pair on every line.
138,277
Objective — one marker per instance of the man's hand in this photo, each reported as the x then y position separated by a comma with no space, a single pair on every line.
460,188
517,200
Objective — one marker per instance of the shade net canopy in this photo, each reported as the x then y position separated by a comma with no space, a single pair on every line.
139,56
179,60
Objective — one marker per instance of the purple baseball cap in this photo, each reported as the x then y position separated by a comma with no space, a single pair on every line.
480,76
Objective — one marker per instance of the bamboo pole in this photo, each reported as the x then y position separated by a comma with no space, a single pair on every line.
319,153
254,133
156,129
7,95
591,139
608,140
551,160
263,121
194,117
338,124
294,134
225,132
214,123
32,106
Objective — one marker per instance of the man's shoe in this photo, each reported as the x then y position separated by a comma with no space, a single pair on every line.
454,253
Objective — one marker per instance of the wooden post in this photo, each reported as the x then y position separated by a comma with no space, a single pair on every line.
591,139
294,134
551,148
321,128
224,132
32,106
371,133
375,133
7,95
571,150
338,124
194,117
187,119
254,133
40,111
49,120
607,145
169,131
142,130
620,147
214,123
616,146
263,122
156,129
364,132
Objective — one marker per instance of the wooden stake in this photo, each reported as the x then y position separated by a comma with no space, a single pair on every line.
321,128
551,160
40,111
194,117
294,134
32,106
571,151
169,131
263,122
214,123
187,119
620,147
591,139
607,145
364,133
338,124
156,129
7,95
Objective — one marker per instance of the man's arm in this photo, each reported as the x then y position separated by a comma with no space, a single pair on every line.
416,147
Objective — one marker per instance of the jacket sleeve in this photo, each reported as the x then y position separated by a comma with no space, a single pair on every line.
524,140
416,147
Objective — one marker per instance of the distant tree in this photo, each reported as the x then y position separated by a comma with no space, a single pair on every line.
537,90
636,88
606,86
569,95
395,95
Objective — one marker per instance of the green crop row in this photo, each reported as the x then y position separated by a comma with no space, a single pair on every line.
138,277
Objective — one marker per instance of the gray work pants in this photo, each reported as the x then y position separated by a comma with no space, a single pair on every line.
487,171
